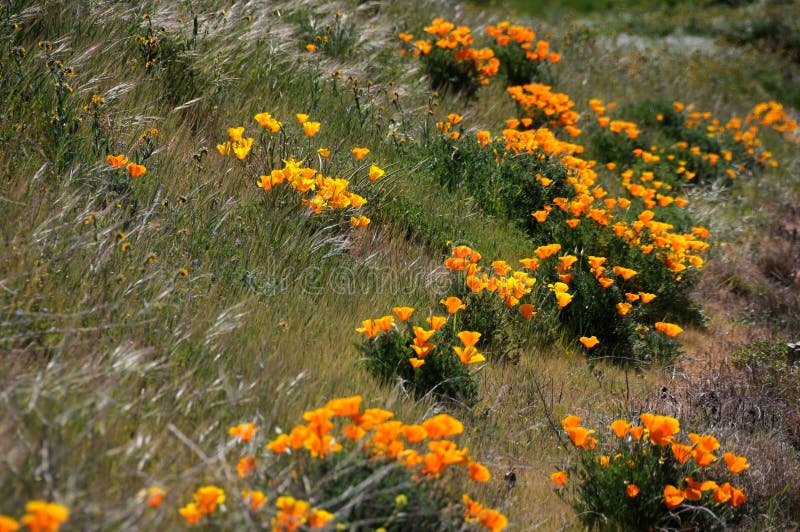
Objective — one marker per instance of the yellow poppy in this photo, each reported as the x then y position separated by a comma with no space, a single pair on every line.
375,172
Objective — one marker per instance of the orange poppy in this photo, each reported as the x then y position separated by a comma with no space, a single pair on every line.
136,170
117,160
559,477
673,497
360,153
736,464
589,342
453,304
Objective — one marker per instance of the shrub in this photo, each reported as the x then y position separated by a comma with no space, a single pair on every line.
646,478
408,352
449,59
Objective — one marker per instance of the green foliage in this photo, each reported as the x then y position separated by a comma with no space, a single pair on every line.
336,38
448,74
386,494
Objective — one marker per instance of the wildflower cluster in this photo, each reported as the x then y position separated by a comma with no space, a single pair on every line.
640,242
319,192
449,58
40,516
238,143
204,502
118,161
647,477
431,359
520,54
425,451
547,107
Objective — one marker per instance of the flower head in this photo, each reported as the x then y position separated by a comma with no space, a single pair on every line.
117,160
243,431
453,304
360,153
136,170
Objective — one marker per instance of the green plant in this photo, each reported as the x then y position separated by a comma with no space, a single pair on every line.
408,353
646,478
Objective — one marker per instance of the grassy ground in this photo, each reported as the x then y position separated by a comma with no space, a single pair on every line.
140,318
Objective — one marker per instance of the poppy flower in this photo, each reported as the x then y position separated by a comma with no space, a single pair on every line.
360,153
632,490
623,308
311,128
661,428
736,464
582,437
527,310
563,299
279,444
403,312
207,498
681,452
318,518
136,170
361,221
469,338
375,172
117,160
436,322
416,362
620,428
369,328
246,466
324,152
243,431
492,520
254,500
311,48
673,497
559,477
625,273
153,497
469,355
453,304
442,426
670,329
8,524
302,118
605,282
570,422
479,472
589,342
191,513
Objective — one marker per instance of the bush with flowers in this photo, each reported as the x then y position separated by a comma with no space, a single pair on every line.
357,468
645,476
450,60
611,250
523,59
430,358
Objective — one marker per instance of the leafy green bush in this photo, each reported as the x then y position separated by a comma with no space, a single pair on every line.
389,354
646,478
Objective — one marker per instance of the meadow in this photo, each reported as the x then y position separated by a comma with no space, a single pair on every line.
424,265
